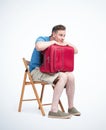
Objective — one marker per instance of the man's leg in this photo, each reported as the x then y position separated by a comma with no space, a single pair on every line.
70,88
58,89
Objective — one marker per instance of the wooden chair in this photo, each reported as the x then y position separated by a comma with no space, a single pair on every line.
27,81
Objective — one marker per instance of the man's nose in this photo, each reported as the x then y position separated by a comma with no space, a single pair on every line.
63,38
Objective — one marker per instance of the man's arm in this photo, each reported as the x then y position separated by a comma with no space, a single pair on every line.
40,46
75,48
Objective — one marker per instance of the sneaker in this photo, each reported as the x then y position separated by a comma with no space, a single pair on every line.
74,111
59,114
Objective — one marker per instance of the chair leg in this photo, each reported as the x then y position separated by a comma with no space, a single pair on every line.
22,93
38,100
42,91
61,106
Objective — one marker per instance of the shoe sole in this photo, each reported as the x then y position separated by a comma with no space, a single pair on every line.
76,114
59,117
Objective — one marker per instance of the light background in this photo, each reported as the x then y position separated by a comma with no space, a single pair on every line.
21,21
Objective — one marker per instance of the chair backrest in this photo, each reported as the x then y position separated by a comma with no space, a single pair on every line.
26,63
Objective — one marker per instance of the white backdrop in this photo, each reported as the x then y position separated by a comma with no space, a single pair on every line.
21,22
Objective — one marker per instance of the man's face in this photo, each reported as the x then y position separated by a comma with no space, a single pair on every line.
59,36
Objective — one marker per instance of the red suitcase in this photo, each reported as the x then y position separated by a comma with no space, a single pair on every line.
58,58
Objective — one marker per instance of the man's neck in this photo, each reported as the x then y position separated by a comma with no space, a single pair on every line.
51,38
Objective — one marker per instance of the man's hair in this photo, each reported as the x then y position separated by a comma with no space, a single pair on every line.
58,27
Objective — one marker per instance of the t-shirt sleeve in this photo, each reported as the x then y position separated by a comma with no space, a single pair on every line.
40,39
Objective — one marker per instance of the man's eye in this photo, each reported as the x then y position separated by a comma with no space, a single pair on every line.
61,35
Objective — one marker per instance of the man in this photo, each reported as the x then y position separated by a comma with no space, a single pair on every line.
64,78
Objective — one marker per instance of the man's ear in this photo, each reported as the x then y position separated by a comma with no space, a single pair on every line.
53,34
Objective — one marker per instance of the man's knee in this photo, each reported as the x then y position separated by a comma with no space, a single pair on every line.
67,75
70,76
63,76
